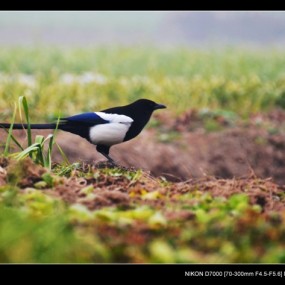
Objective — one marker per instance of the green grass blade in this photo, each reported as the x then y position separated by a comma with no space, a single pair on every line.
47,159
23,101
14,140
40,140
49,137
28,151
49,151
63,155
50,147
9,137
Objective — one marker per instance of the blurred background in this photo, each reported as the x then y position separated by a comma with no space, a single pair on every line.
82,28
221,74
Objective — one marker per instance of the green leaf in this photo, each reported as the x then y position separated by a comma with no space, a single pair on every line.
24,103
10,135
28,151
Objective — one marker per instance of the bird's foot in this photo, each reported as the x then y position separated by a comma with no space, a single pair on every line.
107,164
112,164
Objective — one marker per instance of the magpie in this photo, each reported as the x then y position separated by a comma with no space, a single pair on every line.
105,128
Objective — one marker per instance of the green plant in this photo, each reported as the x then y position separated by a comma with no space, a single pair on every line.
10,135
34,150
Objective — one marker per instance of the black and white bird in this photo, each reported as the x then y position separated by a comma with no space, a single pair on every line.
105,128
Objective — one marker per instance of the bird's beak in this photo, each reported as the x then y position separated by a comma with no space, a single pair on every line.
159,106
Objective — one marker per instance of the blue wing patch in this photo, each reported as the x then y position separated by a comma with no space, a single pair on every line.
90,118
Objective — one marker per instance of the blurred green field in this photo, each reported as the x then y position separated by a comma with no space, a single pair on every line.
72,80
76,213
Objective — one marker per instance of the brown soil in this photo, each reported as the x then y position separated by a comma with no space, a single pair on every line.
118,191
232,152
110,190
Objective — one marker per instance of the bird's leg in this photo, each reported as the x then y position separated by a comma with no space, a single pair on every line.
104,150
109,159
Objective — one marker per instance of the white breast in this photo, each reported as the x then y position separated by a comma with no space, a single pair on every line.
110,133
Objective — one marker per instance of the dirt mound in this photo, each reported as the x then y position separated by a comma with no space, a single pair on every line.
227,154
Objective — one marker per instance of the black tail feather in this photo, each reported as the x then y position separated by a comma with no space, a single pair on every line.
25,126
73,128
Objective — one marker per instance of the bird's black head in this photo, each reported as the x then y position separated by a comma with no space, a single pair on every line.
140,111
148,105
